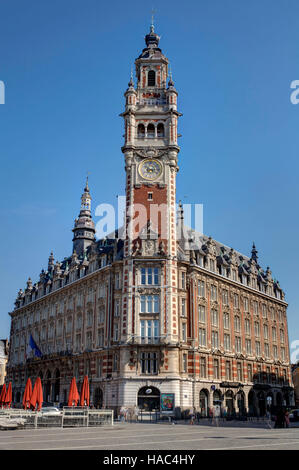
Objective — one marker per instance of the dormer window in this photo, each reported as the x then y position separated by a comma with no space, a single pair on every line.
151,78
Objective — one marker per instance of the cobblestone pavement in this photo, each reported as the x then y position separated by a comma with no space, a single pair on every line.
164,436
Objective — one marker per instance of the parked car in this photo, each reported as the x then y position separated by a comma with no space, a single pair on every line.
50,411
294,415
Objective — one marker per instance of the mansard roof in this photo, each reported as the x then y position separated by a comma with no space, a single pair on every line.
203,245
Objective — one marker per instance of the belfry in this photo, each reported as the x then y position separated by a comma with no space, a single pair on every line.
153,321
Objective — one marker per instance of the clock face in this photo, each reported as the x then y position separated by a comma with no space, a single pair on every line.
150,169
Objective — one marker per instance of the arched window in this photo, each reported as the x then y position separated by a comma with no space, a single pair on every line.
140,131
151,131
151,78
160,130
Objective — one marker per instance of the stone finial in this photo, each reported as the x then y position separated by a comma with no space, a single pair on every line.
254,253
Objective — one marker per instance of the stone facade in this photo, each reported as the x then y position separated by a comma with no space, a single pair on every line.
157,309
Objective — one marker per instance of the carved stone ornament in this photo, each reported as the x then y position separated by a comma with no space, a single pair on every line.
149,247
150,152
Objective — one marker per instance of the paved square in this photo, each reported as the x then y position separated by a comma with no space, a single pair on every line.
227,436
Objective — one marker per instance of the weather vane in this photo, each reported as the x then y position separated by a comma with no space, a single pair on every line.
153,14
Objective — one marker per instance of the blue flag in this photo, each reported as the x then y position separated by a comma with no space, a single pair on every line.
33,347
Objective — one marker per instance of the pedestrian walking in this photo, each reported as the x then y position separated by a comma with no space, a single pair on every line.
287,419
268,415
192,416
216,415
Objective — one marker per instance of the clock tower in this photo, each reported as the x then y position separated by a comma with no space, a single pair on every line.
151,156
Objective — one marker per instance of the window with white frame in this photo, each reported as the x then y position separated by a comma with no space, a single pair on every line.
78,342
228,370
225,297
213,292
267,350
266,331
117,307
149,363
150,276
201,288
101,314
226,322
183,307
149,331
69,322
79,321
115,362
212,265
239,372
214,317
89,340
149,304
258,348
236,300
115,332
237,323
202,313
257,329
99,367
59,327
226,339
203,367
216,369
185,363
249,372
215,340
184,332
100,337
89,318
274,335
247,326
246,304
248,346
282,336
283,354
238,344
202,337
183,280
117,280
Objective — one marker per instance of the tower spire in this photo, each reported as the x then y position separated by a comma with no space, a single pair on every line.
84,227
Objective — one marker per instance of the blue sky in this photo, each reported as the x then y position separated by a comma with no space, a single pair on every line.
66,65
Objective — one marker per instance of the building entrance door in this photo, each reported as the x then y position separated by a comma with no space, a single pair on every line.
149,399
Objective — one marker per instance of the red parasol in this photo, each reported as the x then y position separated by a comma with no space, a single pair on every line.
8,396
37,395
74,396
2,396
27,394
84,398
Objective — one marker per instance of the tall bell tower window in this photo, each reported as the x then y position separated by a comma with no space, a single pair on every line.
141,131
151,78
160,130
151,131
